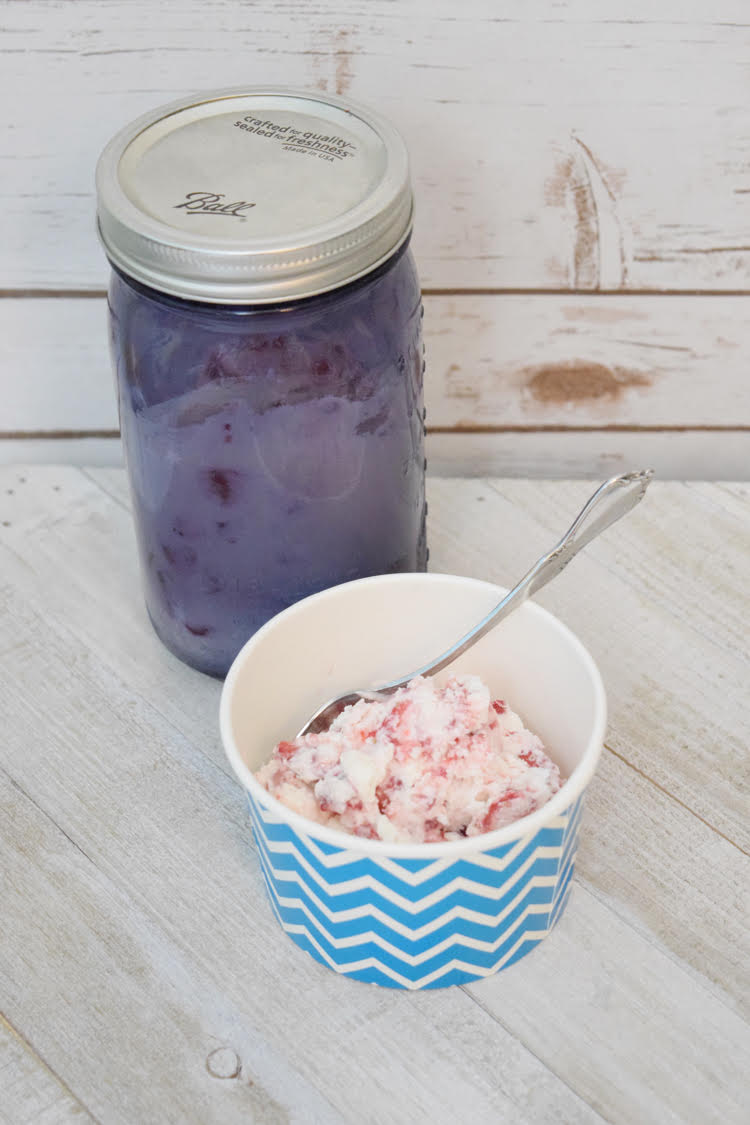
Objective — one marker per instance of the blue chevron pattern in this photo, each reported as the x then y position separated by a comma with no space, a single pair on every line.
417,923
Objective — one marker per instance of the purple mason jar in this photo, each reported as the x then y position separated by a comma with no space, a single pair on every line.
265,320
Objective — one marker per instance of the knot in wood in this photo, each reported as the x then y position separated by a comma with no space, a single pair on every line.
224,1063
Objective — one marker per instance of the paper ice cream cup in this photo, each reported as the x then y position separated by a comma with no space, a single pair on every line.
414,915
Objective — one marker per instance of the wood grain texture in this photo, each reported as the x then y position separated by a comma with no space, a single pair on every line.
535,362
572,148
570,151
152,936
639,880
668,633
590,455
137,919
30,1094
594,454
32,449
632,1007
516,385
632,857
505,362
92,973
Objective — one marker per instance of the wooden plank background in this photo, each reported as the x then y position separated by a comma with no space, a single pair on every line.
583,225
144,976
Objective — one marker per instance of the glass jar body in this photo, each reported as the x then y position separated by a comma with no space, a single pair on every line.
272,451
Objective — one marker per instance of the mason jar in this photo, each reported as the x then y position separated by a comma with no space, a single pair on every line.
265,322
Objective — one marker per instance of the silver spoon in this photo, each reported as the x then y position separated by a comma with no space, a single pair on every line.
609,503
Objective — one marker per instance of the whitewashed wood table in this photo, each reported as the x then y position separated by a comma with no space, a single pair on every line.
142,975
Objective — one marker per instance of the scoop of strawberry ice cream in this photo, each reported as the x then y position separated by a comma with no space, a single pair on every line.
424,765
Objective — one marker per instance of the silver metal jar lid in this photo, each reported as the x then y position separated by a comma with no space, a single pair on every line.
253,195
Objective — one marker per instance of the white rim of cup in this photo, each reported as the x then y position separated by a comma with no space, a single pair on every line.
568,793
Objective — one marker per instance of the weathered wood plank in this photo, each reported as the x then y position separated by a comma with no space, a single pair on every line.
665,623
95,983
30,1094
104,734
34,450
520,362
545,361
78,657
571,455
578,149
642,877
150,932
590,454
571,386
55,369
638,577
633,858
631,1009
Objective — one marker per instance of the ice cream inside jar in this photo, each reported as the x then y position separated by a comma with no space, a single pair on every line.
266,333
